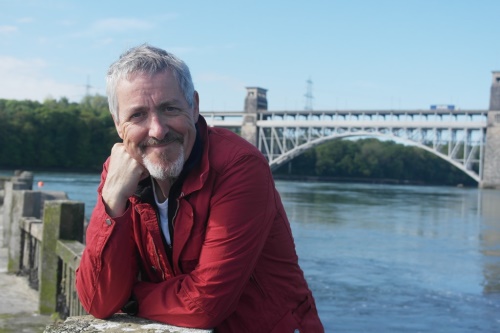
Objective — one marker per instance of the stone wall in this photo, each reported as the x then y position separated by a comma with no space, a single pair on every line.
117,323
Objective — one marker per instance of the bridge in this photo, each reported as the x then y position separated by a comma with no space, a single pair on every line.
467,139
458,137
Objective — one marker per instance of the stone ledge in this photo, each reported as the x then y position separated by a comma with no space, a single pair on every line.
117,323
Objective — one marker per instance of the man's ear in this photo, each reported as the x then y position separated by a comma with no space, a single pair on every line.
196,106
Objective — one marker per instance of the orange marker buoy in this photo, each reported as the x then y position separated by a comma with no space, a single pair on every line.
40,184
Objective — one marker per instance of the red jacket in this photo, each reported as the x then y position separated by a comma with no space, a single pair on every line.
234,268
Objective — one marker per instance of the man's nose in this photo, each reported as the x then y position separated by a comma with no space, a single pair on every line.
157,127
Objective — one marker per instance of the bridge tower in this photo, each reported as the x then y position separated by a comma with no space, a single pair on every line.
491,170
255,101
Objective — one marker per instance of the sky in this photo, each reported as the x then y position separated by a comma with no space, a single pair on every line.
357,54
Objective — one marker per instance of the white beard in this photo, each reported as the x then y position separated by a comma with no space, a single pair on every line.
165,169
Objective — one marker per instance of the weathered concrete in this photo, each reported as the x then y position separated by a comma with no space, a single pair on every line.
491,169
255,101
22,204
8,213
19,303
495,91
62,219
118,323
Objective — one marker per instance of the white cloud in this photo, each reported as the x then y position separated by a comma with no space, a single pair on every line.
25,79
7,29
25,20
120,25
11,65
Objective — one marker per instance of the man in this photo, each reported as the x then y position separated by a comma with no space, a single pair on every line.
188,228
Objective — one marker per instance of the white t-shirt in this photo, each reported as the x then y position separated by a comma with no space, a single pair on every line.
163,211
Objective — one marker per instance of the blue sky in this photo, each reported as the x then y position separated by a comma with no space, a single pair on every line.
359,54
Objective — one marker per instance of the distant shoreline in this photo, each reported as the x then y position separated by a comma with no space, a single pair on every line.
361,180
316,179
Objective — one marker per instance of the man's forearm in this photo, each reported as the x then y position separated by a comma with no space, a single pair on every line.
108,267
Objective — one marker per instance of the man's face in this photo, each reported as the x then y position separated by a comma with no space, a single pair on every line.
156,123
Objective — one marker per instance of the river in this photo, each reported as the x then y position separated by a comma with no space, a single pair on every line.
384,258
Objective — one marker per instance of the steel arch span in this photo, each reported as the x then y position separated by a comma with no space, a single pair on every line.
463,154
296,151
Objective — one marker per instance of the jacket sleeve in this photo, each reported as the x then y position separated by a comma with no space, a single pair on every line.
108,267
241,214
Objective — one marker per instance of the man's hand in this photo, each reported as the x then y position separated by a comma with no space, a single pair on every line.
124,174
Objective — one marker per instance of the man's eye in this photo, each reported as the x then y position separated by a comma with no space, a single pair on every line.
170,109
137,115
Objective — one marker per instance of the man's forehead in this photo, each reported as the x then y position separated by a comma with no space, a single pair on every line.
132,90
145,80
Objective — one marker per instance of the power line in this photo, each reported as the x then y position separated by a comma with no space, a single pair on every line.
88,87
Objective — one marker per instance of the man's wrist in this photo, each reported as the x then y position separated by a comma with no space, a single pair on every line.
113,207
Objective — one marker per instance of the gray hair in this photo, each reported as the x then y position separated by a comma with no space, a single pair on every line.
150,60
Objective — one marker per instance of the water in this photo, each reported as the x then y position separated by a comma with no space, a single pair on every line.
78,186
382,258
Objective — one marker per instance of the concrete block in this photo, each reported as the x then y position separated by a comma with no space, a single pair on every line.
9,188
62,219
115,324
23,204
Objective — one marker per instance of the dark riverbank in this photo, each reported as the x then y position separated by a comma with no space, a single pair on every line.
360,180
276,176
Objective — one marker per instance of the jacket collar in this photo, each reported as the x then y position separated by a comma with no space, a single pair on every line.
196,169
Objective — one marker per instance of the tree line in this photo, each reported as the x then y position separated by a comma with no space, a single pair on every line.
371,159
55,134
63,135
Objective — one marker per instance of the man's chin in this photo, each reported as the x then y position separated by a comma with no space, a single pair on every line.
156,171
163,170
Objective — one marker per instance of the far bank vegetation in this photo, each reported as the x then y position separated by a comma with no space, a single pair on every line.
63,135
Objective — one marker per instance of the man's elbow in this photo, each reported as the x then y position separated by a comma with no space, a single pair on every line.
209,319
97,308
101,312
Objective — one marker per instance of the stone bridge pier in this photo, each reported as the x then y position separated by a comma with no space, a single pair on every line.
491,169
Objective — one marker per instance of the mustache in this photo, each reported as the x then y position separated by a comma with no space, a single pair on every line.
170,137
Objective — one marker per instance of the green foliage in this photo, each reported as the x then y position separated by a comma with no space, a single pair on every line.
55,134
58,134
369,159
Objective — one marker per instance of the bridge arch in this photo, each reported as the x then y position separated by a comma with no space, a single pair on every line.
298,150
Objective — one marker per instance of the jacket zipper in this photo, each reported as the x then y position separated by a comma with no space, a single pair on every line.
156,252
159,265
171,224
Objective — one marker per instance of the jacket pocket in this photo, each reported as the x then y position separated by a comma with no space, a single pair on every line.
287,324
